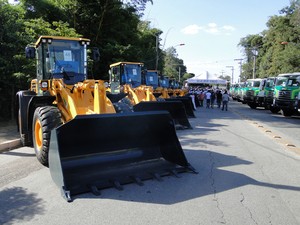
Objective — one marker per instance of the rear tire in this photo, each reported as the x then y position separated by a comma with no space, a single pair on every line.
45,119
26,139
160,99
121,107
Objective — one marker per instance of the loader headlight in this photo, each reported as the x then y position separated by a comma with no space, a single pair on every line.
85,43
45,40
44,85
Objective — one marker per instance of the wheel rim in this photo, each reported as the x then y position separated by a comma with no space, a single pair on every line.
38,134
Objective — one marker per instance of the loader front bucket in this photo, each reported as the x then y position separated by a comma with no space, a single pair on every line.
188,104
94,152
175,108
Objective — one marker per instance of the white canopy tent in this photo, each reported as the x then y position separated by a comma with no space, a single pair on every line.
206,78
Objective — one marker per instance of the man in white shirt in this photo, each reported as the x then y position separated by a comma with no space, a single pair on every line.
207,97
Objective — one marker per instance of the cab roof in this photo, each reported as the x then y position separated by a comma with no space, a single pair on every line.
60,38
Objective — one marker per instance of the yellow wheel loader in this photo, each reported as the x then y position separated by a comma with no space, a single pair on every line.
76,131
129,78
164,90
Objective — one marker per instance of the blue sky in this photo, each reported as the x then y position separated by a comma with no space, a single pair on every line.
210,29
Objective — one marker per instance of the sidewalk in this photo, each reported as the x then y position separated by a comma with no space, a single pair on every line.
9,136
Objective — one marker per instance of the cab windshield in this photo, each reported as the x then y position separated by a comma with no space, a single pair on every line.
66,59
152,79
131,74
293,82
164,83
281,81
270,83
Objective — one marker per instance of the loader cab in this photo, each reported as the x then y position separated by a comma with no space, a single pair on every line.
174,84
61,58
164,82
125,73
151,78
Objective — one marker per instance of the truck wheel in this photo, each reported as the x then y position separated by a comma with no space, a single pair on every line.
287,112
45,119
252,105
274,109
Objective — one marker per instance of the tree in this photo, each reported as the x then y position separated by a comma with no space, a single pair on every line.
16,32
173,66
11,60
277,48
114,26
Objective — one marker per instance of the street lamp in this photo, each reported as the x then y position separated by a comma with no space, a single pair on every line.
254,51
179,45
232,69
179,69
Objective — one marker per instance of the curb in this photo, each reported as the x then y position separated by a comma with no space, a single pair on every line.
9,145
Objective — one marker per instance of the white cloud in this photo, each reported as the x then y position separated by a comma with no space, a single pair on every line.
228,28
211,28
191,29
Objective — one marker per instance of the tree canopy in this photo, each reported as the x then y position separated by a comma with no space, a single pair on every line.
275,50
116,28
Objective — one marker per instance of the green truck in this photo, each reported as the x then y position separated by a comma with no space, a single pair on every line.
265,94
287,97
251,91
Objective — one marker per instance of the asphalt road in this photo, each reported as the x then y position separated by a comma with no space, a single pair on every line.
248,174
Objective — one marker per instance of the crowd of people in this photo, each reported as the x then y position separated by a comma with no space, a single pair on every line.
210,96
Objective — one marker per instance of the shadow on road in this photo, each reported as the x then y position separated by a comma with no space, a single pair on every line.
210,180
18,205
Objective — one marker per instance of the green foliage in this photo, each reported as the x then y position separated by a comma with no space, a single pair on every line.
277,48
173,66
114,26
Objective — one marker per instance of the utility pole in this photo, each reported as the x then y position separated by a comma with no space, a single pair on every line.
240,63
254,52
232,69
156,48
222,73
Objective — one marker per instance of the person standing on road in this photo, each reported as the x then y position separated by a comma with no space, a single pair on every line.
207,97
219,98
225,100
212,98
201,97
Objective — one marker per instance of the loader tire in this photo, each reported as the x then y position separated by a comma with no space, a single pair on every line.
121,107
26,139
45,119
160,100
127,102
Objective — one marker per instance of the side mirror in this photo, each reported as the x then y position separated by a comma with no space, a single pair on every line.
96,54
30,52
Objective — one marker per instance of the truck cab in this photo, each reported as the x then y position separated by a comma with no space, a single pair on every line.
288,96
265,94
251,92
